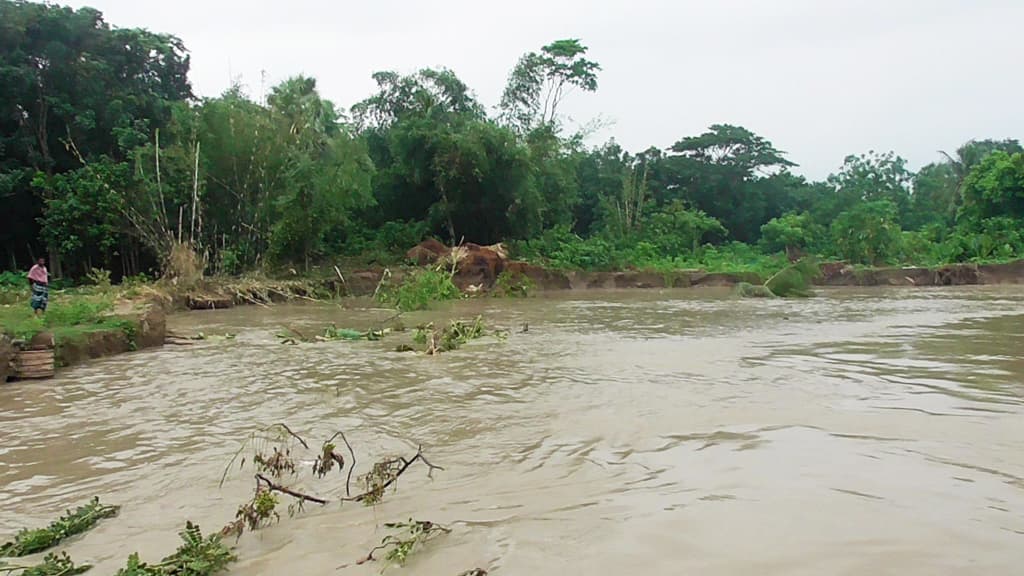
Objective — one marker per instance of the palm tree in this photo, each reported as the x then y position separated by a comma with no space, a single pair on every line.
969,155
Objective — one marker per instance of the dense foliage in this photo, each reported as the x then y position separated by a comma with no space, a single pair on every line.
107,160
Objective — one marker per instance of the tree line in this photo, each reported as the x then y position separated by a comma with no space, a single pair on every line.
108,160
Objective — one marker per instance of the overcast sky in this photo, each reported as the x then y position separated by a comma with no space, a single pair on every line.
819,78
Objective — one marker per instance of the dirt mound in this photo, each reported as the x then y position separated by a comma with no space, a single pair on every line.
475,265
427,252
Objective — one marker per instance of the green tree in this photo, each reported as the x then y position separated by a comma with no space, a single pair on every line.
934,191
74,89
868,233
541,80
995,187
675,230
969,155
872,177
326,172
792,232
722,172
442,161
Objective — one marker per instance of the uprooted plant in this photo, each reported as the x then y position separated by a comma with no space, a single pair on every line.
793,281
31,541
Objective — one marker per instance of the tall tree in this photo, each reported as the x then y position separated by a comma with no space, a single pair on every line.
872,177
541,80
719,172
327,171
72,90
969,155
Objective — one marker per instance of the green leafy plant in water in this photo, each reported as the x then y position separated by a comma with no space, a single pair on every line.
52,565
31,541
259,512
420,289
197,556
411,536
378,478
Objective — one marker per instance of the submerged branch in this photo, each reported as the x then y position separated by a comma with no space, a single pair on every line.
385,478
273,487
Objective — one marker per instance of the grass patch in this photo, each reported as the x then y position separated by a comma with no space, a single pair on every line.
70,314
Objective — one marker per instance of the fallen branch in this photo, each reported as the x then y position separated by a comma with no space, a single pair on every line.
385,476
292,434
285,490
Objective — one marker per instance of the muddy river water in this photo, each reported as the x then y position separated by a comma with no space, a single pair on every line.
640,432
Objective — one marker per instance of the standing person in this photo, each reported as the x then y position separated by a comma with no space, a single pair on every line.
39,281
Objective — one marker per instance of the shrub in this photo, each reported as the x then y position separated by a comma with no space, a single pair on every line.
420,289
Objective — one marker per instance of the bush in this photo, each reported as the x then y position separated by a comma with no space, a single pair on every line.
98,277
13,279
420,289
869,233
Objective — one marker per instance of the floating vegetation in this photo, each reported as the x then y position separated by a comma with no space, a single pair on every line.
410,536
52,565
793,281
197,556
331,333
451,337
31,541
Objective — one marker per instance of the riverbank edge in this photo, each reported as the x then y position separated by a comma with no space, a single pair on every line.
144,326
476,280
147,317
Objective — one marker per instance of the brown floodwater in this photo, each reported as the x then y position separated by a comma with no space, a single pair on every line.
638,432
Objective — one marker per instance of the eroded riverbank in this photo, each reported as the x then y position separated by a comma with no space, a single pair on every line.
663,432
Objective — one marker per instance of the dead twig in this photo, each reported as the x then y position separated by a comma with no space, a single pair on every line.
383,276
292,434
352,466
248,441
